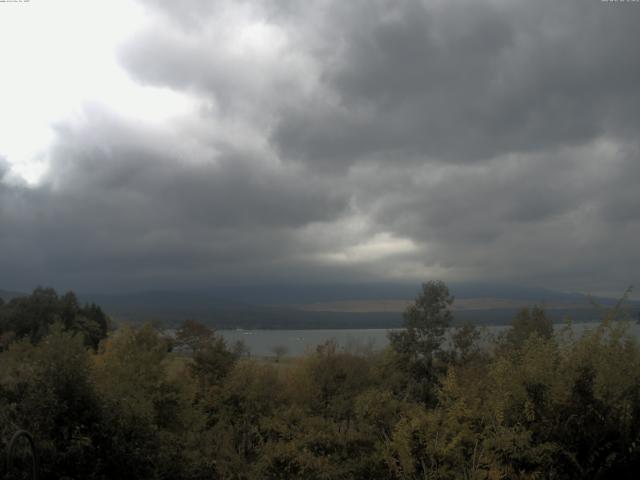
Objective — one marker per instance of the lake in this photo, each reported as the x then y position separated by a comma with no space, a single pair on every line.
299,342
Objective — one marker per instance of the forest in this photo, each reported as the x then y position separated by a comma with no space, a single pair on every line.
441,402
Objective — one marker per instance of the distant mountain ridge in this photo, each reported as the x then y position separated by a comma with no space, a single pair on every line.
279,295
372,305
8,295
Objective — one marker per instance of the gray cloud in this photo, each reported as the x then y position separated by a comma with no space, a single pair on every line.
466,82
4,167
452,81
121,200
352,140
147,169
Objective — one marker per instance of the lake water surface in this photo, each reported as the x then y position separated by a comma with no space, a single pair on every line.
299,342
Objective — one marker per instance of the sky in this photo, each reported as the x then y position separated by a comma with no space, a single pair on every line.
185,144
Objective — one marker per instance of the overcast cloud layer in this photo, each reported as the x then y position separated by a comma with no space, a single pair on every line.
348,141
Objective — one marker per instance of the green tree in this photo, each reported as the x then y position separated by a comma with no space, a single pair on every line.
193,335
145,411
425,322
48,389
212,362
32,316
527,322
418,346
240,414
93,323
279,351
465,343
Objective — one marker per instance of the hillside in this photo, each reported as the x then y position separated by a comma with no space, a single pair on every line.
338,306
374,305
8,295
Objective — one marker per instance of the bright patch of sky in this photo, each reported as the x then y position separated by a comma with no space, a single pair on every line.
58,57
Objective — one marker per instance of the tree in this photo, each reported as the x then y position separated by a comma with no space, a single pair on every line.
143,409
425,321
47,389
528,322
465,345
193,335
240,349
93,323
279,351
240,418
33,316
211,360
416,348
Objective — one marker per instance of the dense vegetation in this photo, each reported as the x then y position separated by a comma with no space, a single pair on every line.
135,404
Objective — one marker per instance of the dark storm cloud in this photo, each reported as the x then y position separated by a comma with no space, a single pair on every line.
450,80
570,218
463,82
352,140
121,202
227,187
